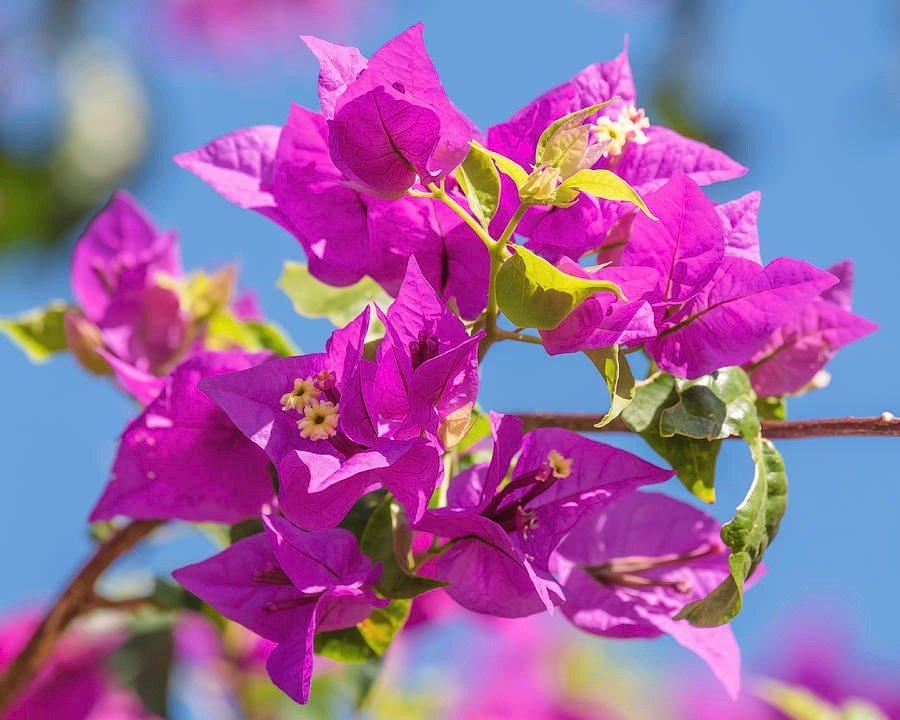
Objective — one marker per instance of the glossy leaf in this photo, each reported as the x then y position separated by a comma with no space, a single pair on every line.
748,534
479,180
613,366
533,293
39,333
712,407
693,460
607,185
313,298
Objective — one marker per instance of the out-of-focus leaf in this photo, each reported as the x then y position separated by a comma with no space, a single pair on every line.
313,298
40,332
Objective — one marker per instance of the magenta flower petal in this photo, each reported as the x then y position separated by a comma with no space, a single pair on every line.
339,65
284,584
728,322
182,458
393,124
628,569
685,246
796,351
238,166
739,223
120,238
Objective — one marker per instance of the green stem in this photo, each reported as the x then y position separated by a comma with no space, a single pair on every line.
502,334
438,193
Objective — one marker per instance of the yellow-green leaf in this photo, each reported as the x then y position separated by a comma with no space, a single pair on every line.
533,293
479,180
607,185
39,333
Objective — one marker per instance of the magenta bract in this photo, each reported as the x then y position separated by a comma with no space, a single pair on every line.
285,585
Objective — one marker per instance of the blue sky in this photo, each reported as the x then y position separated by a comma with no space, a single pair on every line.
808,99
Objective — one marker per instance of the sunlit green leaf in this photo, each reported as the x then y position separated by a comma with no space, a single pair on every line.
479,180
225,331
313,298
505,165
613,367
571,120
533,293
607,185
39,333
383,624
347,645
771,408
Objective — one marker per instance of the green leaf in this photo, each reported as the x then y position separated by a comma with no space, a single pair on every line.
143,664
800,703
771,408
748,534
571,120
508,167
387,539
313,298
712,407
693,460
346,646
567,149
380,628
533,293
607,185
479,180
39,333
613,366
367,640
225,331
481,428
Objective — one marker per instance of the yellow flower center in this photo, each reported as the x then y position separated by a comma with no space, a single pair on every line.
319,421
304,392
561,466
628,127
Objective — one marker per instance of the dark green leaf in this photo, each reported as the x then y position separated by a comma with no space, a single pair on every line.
361,678
358,516
693,460
143,664
39,333
386,539
533,293
713,407
613,366
479,180
748,534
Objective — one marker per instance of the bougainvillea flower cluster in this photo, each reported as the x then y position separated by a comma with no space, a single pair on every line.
366,475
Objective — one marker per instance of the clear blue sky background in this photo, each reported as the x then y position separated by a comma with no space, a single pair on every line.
809,98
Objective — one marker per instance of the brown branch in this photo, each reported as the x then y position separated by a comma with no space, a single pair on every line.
73,601
884,426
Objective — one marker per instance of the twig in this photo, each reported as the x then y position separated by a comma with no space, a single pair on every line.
884,426
73,601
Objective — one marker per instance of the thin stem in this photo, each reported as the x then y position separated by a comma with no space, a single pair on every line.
502,334
884,426
73,601
438,193
513,224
